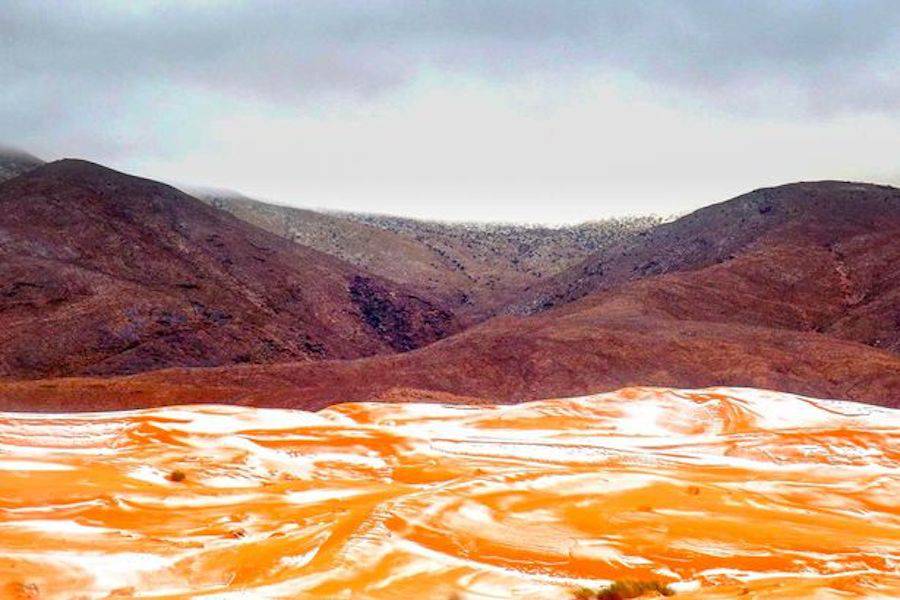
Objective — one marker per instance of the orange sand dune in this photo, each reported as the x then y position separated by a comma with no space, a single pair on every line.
721,493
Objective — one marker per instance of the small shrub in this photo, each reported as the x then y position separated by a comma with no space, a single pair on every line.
625,589
176,476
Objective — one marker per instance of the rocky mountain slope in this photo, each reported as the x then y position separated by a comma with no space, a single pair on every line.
806,303
815,215
468,265
104,273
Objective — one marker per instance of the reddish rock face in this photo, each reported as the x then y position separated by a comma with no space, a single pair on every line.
104,273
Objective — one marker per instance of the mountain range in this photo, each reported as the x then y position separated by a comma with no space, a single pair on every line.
120,292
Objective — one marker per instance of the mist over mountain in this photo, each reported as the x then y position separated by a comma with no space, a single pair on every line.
14,162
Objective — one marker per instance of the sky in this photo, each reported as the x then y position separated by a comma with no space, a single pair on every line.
507,110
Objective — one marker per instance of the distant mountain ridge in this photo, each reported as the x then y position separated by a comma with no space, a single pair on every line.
380,252
470,266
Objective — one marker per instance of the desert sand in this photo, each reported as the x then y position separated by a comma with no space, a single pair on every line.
716,493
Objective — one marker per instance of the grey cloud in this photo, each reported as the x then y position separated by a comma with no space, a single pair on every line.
69,69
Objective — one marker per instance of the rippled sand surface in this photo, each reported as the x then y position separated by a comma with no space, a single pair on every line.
720,492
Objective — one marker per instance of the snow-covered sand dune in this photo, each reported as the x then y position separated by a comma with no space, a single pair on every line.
717,492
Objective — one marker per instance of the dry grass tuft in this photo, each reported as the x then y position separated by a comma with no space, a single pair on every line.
625,589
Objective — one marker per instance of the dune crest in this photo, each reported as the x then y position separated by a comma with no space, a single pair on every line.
715,492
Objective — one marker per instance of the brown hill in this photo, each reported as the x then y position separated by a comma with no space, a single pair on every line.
467,265
104,273
845,224
806,304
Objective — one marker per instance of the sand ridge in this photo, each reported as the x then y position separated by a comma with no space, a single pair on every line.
717,492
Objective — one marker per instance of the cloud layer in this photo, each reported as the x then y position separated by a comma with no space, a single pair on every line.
152,85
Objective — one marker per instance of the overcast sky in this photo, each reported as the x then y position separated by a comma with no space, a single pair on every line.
507,110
